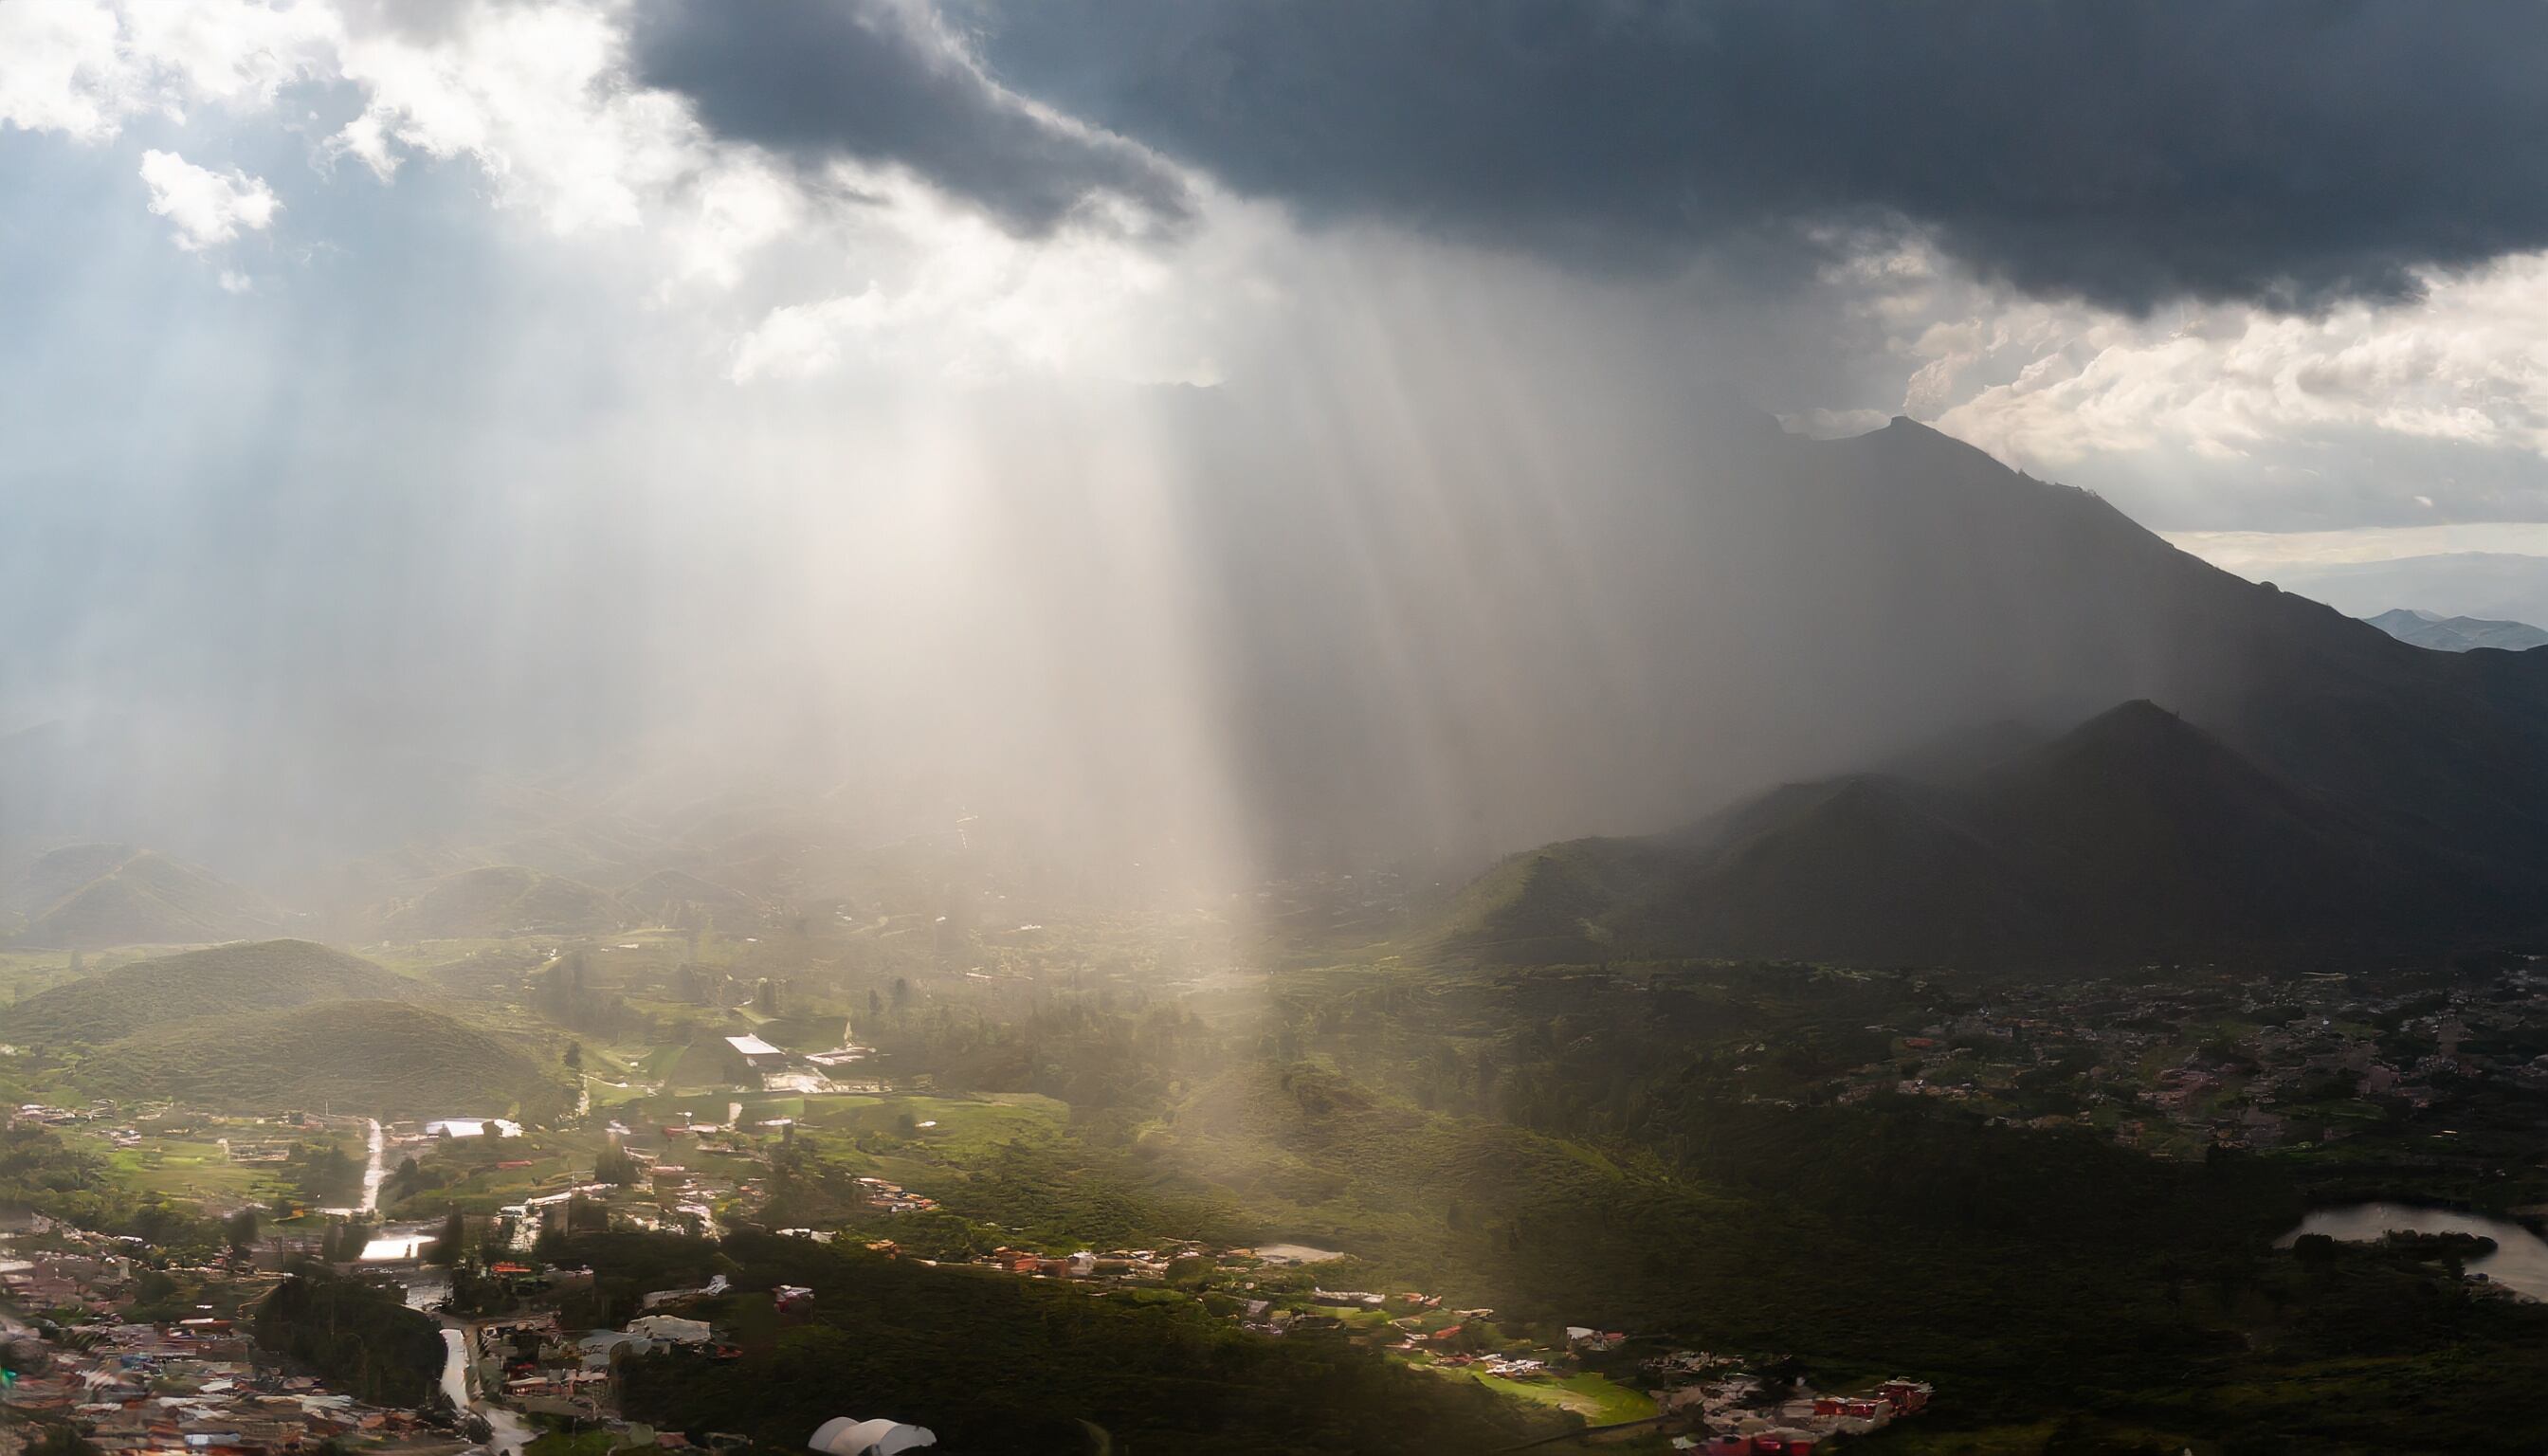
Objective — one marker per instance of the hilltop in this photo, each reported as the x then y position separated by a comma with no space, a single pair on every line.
112,894
391,1057
499,900
265,975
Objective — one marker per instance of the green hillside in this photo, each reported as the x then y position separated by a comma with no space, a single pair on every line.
388,1058
113,895
261,975
499,900
1548,905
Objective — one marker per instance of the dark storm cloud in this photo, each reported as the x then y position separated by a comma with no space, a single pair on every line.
2290,154
885,81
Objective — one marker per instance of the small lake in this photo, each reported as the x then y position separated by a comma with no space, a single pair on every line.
2519,1261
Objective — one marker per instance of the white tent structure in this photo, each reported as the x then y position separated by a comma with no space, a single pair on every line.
842,1436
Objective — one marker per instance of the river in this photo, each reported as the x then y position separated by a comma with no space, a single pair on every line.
2520,1262
511,1431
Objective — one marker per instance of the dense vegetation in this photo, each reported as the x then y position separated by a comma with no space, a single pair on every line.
42,1172
994,1364
2037,1276
361,1339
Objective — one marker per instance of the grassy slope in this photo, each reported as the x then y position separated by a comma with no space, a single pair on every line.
378,1057
264,976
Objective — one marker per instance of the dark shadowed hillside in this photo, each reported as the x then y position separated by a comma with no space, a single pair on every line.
2136,835
266,976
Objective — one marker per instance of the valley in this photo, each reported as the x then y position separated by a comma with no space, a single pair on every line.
1974,1098
1558,1193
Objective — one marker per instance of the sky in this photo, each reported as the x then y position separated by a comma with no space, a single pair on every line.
504,353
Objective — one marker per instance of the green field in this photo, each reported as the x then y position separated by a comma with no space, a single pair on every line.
1597,1398
187,1168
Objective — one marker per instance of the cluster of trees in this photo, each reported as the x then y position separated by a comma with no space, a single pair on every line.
1074,1374
570,994
359,1337
322,1172
614,1165
40,1171
344,1241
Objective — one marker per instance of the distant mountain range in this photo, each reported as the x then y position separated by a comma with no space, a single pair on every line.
2457,634
2494,585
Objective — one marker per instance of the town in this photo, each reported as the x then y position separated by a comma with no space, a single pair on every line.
132,1346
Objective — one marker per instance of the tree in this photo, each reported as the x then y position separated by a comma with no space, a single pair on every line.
455,1231
241,1228
765,997
574,1057
613,1165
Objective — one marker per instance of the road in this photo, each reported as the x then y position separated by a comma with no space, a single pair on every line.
375,1171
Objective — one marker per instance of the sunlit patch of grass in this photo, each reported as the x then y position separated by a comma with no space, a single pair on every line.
1597,1398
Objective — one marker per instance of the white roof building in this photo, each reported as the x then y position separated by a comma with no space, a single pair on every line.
842,1436
471,1128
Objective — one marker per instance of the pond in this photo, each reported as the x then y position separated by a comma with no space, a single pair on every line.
2519,1261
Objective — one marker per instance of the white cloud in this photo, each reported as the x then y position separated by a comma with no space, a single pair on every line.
60,70
2044,384
958,298
538,96
207,208
82,67
2259,554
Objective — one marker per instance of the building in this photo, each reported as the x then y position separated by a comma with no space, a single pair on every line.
842,1436
757,1053
471,1128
